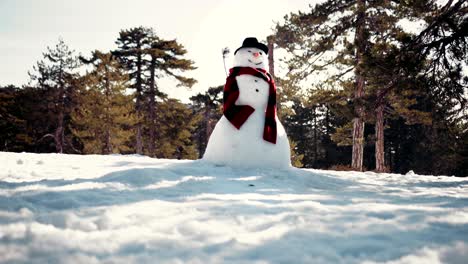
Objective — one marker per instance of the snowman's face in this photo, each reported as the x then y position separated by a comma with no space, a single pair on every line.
250,57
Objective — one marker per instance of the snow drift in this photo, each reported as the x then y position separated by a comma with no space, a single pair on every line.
134,209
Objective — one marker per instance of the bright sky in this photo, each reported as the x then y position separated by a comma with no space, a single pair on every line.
204,27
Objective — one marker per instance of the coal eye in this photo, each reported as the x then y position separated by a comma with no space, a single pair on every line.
261,53
256,80
249,51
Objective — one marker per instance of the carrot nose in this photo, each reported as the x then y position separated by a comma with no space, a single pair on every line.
256,54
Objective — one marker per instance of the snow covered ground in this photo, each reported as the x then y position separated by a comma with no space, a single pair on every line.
134,209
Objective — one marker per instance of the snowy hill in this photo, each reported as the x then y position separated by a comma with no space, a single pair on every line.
134,209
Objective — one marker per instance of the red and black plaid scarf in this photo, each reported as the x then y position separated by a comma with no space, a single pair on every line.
238,114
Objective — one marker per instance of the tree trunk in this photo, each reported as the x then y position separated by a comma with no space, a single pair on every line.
208,131
358,144
151,109
271,67
139,143
327,133
390,159
315,137
358,122
107,140
271,61
58,135
379,144
138,103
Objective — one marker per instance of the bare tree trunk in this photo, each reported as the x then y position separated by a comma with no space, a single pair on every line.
379,144
315,138
271,61
151,110
206,116
59,132
107,140
327,132
138,103
139,143
271,67
358,144
58,135
358,122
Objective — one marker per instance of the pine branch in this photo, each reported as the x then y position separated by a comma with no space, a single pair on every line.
416,46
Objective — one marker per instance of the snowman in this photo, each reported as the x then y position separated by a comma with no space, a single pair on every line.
249,133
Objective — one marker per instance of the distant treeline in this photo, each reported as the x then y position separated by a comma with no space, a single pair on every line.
391,100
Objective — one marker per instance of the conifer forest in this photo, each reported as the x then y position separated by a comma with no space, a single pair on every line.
356,91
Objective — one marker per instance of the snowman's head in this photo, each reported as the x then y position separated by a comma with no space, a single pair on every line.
251,54
250,57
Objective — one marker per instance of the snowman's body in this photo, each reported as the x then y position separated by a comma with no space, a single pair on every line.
246,147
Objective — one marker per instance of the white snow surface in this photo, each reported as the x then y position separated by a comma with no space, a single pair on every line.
134,209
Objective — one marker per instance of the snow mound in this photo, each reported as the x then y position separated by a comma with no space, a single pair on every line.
134,209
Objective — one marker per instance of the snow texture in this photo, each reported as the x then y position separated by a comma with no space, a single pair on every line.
133,209
245,147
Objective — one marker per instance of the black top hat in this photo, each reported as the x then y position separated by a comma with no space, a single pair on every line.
253,43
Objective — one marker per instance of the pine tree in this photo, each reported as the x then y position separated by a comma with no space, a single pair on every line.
147,58
12,125
34,108
437,53
176,124
166,58
381,54
313,121
208,107
131,45
56,74
25,117
333,34
104,119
